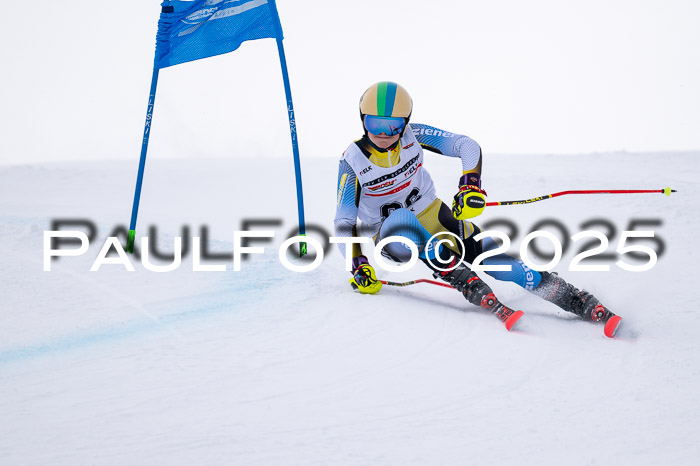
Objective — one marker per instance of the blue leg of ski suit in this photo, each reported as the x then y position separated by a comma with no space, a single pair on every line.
403,222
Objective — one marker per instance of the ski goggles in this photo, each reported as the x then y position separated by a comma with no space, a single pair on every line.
390,126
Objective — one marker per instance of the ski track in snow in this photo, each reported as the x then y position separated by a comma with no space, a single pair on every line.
266,366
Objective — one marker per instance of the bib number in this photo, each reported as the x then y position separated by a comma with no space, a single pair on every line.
411,199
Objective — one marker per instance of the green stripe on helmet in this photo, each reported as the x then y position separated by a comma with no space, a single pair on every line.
381,98
390,99
386,96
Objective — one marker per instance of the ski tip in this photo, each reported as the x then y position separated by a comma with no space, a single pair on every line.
513,319
612,325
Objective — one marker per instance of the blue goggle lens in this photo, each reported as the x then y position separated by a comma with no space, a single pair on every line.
390,126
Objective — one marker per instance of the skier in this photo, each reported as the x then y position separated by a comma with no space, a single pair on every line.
382,182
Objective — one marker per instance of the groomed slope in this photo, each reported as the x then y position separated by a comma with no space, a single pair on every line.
267,366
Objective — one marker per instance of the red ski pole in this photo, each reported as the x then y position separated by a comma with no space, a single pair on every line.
666,191
413,282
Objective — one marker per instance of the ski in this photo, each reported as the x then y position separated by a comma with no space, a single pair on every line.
489,302
611,326
509,317
611,322
505,314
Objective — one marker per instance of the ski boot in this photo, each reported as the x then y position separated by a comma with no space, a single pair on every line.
556,290
476,291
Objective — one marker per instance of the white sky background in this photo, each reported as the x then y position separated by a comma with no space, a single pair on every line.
519,77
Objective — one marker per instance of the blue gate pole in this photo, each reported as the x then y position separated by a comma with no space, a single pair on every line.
142,162
292,124
295,145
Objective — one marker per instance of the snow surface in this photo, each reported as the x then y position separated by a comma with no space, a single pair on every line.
266,366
